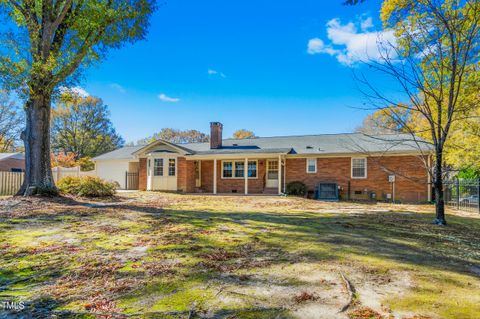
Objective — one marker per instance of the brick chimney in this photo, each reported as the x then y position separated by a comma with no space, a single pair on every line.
216,135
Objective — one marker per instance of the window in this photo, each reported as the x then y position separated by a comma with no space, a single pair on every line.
227,171
312,165
239,169
158,167
252,169
171,167
236,169
359,168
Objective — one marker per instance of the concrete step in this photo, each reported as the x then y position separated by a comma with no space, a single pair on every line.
271,191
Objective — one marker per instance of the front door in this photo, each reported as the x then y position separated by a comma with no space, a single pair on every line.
272,174
164,174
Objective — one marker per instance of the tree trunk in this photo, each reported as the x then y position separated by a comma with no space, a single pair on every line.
438,186
36,136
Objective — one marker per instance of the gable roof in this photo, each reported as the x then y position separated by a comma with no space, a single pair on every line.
332,144
18,156
179,147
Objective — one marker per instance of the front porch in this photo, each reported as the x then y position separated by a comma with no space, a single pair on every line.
245,176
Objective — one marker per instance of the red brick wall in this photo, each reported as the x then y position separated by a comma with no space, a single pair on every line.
185,175
181,174
142,174
255,186
9,163
190,183
410,184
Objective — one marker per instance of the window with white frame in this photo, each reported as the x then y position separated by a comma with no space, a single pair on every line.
236,169
312,165
252,169
158,167
171,167
227,171
239,169
359,168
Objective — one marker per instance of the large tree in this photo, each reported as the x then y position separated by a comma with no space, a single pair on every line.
51,41
176,136
383,121
81,125
243,134
434,62
10,123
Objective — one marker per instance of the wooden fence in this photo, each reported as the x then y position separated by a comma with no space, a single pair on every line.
10,182
61,172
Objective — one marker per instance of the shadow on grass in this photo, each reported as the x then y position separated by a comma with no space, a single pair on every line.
402,237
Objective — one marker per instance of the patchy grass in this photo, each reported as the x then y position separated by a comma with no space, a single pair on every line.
178,256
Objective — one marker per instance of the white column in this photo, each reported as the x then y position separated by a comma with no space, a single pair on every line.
245,175
279,174
149,173
215,176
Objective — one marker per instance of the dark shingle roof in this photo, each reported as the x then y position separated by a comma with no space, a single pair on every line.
324,144
304,144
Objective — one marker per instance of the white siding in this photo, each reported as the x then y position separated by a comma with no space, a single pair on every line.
113,170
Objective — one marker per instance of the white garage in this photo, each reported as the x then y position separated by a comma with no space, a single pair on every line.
119,166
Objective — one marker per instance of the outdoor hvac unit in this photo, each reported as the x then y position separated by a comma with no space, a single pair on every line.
327,191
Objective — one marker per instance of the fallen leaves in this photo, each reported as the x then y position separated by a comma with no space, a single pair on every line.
365,313
305,296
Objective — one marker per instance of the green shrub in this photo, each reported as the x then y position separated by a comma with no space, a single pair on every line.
86,186
296,188
86,164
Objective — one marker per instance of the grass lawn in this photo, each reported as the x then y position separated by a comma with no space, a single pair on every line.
154,255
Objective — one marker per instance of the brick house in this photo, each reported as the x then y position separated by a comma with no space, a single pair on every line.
12,162
349,166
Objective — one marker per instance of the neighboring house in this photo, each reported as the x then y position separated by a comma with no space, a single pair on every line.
354,165
12,162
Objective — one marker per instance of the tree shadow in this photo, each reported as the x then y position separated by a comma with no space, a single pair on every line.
402,237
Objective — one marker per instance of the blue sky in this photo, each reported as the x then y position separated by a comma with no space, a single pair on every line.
274,67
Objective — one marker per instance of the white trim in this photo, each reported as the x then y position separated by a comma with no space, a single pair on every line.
366,168
215,176
279,174
267,170
233,169
245,174
155,143
163,166
310,159
168,166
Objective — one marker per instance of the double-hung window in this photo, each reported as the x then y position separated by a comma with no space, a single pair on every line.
227,171
236,169
158,167
311,165
359,167
239,169
252,169
171,167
